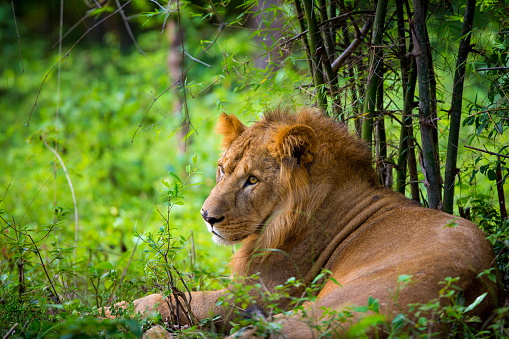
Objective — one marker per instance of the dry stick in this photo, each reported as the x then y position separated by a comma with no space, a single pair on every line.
65,56
10,331
66,173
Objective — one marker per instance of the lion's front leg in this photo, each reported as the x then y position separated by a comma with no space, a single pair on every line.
202,305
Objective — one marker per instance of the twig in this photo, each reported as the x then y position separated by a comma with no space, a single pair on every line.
500,191
340,61
198,61
492,153
10,331
65,56
176,83
493,69
490,110
128,28
76,216
19,39
336,18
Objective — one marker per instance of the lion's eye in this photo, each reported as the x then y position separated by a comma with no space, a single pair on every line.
220,173
251,180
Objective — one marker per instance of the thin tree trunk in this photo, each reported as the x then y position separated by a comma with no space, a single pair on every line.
302,26
403,138
456,106
500,191
327,56
429,165
369,108
383,167
315,45
406,154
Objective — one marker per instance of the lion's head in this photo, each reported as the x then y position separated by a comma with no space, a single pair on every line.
273,175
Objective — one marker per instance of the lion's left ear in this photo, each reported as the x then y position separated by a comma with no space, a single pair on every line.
296,141
230,127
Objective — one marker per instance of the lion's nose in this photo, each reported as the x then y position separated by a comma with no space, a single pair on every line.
211,220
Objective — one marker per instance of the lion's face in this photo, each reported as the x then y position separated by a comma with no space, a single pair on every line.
246,194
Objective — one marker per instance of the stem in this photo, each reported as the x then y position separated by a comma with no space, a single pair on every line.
456,106
71,188
500,191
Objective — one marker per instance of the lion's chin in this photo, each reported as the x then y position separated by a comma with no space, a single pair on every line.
218,239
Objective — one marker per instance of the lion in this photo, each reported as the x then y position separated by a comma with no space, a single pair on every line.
299,193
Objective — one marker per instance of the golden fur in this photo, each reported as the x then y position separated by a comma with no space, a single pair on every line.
300,194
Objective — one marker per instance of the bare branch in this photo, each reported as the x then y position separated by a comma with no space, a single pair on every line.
493,69
340,61
484,151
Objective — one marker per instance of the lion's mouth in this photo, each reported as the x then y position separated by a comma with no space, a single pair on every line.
218,235
263,224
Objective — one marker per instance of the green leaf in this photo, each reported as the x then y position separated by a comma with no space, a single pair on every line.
476,302
103,266
398,320
492,175
317,278
335,281
107,284
405,278
373,304
176,177
361,309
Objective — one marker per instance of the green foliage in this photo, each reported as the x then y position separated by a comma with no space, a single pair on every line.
94,145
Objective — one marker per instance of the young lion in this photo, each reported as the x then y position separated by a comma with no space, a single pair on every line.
300,193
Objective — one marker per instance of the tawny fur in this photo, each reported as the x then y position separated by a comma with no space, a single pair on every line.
301,195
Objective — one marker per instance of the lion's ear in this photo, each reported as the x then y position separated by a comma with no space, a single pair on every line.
230,127
296,141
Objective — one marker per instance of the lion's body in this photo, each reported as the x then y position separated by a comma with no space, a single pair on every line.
300,184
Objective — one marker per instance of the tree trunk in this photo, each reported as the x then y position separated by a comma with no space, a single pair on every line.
427,124
315,48
375,71
456,106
